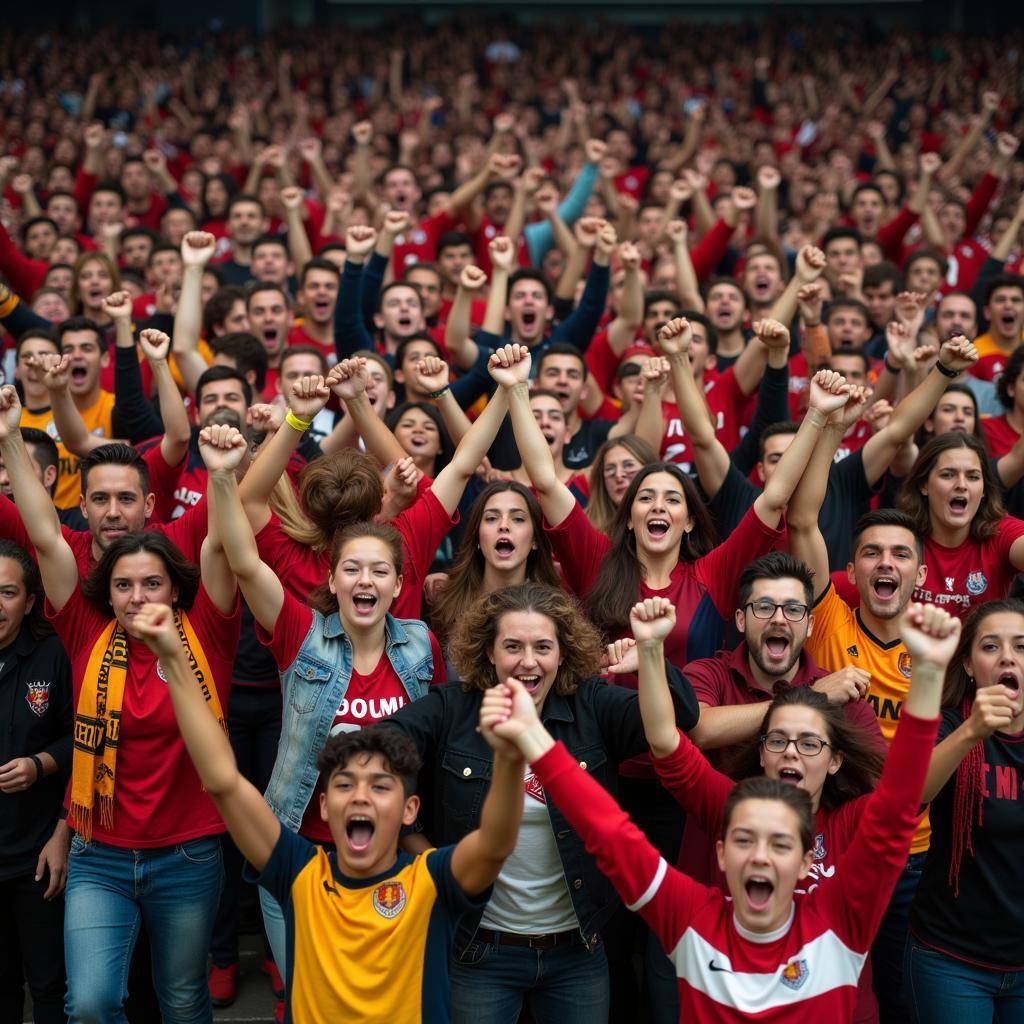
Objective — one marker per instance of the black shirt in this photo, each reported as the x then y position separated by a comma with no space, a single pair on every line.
582,447
35,717
983,924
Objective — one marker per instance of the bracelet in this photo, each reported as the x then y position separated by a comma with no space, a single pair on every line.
39,765
946,371
434,395
295,423
892,369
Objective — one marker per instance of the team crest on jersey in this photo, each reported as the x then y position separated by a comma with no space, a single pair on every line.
38,696
976,583
389,899
795,973
819,850
904,664
949,583
852,651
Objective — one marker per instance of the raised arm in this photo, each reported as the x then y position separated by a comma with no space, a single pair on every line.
177,431
223,449
249,819
687,287
299,249
56,559
348,381
67,419
810,264
651,621
197,248
622,330
457,341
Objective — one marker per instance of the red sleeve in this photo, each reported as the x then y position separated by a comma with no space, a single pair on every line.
25,275
601,361
440,668
77,624
607,410
696,786
579,546
82,191
708,252
1009,530
665,898
890,236
423,526
720,570
290,630
218,632
979,202
11,526
163,479
872,863
705,676
187,531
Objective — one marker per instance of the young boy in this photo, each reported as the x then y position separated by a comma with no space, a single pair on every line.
369,928
760,951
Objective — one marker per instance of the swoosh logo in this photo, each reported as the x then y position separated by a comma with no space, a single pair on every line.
715,967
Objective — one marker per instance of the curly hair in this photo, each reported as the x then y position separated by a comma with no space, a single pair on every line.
476,634
600,510
395,749
466,576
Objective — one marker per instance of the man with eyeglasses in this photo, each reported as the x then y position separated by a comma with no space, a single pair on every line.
734,688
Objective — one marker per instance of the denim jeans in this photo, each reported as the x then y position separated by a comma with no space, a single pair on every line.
110,890
944,990
274,929
491,983
889,949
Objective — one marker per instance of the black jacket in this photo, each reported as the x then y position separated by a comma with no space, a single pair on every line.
35,716
599,724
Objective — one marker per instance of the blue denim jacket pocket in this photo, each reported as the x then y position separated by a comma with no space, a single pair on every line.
309,677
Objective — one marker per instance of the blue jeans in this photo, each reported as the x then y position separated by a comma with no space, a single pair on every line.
274,929
890,946
942,989
175,889
491,983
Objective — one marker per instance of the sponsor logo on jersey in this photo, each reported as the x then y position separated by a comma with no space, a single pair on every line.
38,696
795,973
976,583
389,899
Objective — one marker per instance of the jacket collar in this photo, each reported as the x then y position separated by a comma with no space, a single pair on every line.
557,707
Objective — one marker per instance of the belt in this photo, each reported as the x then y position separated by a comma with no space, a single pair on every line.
529,941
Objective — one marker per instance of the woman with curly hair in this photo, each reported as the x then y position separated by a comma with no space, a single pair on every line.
538,941
972,548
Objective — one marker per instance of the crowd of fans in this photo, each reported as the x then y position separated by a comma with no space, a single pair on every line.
390,416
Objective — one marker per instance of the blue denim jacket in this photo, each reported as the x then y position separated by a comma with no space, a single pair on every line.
312,688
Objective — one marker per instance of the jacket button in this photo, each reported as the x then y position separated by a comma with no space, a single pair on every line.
467,772
583,765
310,673
577,883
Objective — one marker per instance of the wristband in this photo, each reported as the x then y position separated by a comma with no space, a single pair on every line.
892,369
434,395
946,371
295,423
34,758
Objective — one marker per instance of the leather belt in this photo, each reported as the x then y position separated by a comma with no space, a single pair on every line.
528,941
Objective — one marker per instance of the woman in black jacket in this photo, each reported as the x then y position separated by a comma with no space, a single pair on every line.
538,941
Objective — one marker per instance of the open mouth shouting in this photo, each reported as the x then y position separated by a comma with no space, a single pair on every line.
1010,680
504,548
790,775
758,890
79,374
958,505
776,646
530,683
657,529
762,286
359,831
530,318
270,336
364,603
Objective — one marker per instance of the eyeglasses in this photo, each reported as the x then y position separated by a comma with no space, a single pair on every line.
808,744
794,611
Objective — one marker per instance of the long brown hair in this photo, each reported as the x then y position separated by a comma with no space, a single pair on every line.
182,573
466,576
617,585
94,256
578,642
958,692
915,504
322,599
862,764
600,509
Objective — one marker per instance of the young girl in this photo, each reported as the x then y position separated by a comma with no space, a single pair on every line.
147,842
972,548
616,463
966,954
345,662
768,950
421,432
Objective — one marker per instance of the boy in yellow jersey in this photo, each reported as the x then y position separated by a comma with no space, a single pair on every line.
369,927
887,565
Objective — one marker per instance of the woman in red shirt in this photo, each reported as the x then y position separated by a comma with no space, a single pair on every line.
147,835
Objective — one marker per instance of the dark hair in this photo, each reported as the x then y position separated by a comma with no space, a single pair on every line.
422,265
46,333
761,788
862,763
846,353
444,456
271,239
230,186
1012,370
958,692
162,247
321,598
140,232
466,575
218,307
841,302
776,565
887,517
915,504
600,508
866,186
38,624
879,273
80,323
477,631
303,350
40,219
789,427
114,454
451,239
248,353
529,274
617,584
109,185
650,298
216,373
561,348
731,282
45,449
317,263
419,336
834,234
926,254
1002,281
394,748
183,574
244,197
710,332
957,389
397,284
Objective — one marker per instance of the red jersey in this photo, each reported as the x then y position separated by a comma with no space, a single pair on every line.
972,573
163,480
368,698
1000,435
158,799
725,399
807,971
482,238
297,336
419,244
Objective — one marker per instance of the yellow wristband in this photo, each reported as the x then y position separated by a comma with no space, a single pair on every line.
293,421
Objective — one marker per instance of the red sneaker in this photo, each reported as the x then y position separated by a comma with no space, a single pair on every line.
269,968
223,983
279,1012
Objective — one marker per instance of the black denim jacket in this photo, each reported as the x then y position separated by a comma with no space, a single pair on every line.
599,724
